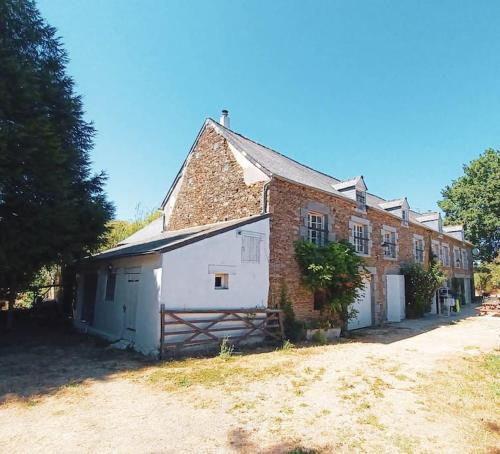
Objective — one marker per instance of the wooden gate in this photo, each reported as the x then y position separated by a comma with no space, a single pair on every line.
187,328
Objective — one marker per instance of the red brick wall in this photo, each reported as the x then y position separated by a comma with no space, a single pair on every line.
213,188
285,202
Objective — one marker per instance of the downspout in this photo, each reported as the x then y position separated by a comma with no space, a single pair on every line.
264,197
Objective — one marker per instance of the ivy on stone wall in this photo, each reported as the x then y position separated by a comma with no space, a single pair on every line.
335,272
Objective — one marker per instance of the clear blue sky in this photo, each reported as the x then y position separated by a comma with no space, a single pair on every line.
402,92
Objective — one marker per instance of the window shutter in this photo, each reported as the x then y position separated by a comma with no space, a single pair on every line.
303,223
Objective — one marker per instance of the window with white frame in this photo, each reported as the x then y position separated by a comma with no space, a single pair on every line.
250,248
317,231
360,238
456,258
418,249
389,242
221,281
445,255
435,250
404,217
361,199
464,259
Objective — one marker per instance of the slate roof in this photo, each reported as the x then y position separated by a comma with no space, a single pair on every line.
391,204
434,216
453,228
273,163
169,240
153,228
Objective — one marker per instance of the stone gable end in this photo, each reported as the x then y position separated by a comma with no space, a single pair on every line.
213,187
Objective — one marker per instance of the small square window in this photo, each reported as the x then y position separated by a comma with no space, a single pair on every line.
221,281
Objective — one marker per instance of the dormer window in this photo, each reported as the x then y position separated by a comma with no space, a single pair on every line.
404,217
361,199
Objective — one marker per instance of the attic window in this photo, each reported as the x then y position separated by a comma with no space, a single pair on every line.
361,198
404,217
250,248
221,281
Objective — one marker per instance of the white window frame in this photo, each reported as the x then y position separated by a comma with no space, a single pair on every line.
404,217
418,253
392,233
357,225
317,231
224,281
445,254
457,257
436,250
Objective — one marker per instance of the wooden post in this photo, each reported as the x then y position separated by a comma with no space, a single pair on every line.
162,329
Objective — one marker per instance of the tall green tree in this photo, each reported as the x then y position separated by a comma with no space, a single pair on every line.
53,208
474,200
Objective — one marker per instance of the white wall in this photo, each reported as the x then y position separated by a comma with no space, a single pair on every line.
188,278
109,316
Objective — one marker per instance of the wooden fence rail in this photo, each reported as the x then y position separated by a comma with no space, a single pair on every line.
188,328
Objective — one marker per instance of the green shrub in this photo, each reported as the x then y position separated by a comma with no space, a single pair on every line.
226,349
294,329
319,337
420,286
334,271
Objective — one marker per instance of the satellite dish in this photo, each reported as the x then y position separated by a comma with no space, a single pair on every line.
475,252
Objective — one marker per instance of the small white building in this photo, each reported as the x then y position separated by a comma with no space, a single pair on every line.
216,266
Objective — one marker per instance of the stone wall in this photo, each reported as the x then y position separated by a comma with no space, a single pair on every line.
287,202
213,187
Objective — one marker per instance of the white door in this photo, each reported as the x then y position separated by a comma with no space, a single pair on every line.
468,290
363,305
130,306
395,292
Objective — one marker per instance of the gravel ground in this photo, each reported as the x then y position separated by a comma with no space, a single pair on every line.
419,386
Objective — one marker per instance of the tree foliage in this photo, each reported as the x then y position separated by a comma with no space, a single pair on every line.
53,209
474,200
118,229
420,286
334,270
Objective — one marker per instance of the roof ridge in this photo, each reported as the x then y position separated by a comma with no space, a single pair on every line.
274,151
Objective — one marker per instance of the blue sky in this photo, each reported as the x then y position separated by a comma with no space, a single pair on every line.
402,92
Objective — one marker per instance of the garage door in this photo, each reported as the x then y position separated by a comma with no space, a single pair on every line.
363,305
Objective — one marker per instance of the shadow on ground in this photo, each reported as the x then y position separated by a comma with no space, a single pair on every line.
39,358
394,332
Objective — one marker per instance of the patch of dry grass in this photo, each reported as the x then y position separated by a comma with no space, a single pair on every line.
469,392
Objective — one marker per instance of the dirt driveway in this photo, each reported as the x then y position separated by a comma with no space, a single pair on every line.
425,386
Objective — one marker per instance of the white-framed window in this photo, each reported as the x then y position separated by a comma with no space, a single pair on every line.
389,242
317,231
418,248
465,259
445,255
110,285
360,238
361,199
436,250
404,217
457,260
221,281
250,247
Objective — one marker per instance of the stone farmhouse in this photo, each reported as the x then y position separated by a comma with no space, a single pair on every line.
228,176
226,242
